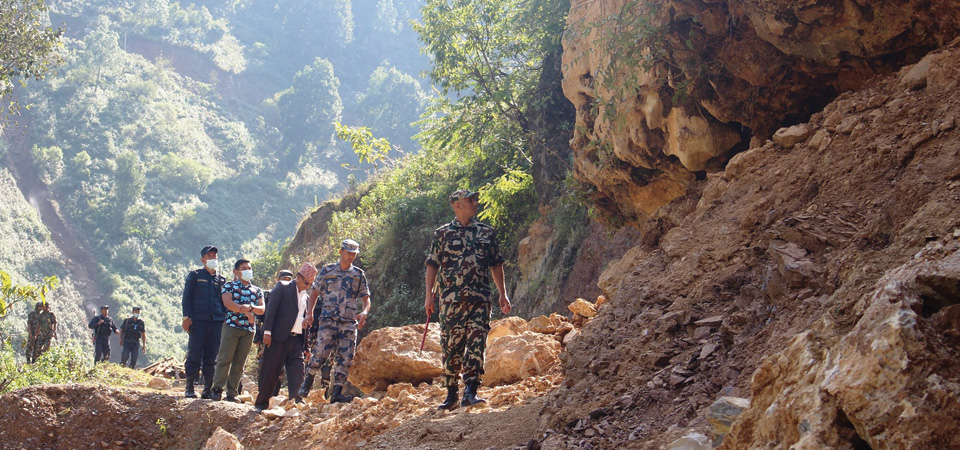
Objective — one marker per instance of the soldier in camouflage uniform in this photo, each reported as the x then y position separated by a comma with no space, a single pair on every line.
46,330
463,256
342,285
33,322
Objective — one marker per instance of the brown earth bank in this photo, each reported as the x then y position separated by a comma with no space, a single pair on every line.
792,237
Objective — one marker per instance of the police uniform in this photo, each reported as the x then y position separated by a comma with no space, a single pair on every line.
463,256
340,291
102,328
132,329
202,304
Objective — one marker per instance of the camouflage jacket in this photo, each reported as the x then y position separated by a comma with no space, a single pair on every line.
33,319
463,256
339,291
45,324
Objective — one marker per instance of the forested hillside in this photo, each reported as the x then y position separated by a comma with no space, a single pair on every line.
172,125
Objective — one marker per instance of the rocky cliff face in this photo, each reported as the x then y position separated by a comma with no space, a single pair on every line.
816,275
666,90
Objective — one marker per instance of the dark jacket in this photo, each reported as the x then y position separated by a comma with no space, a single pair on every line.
282,311
201,296
102,330
131,329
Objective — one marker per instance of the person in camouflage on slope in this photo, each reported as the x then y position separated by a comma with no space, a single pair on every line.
46,330
463,256
342,285
33,322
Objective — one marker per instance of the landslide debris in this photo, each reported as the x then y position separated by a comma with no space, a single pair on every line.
776,265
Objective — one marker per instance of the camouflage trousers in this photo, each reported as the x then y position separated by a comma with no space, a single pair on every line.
336,339
37,346
463,338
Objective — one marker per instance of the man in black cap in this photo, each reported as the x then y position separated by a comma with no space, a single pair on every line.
203,316
102,327
132,332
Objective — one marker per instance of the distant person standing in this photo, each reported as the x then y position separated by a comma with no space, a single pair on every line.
103,327
203,316
342,288
46,330
33,324
243,300
463,256
283,329
132,333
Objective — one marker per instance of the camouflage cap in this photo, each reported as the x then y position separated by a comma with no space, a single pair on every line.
462,194
350,245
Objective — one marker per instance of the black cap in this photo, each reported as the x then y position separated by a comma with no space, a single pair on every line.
136,308
208,249
284,273
104,307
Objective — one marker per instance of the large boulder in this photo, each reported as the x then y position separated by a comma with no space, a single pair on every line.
890,382
507,326
391,355
510,359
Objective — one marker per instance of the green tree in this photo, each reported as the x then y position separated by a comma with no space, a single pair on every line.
130,181
390,104
28,47
309,108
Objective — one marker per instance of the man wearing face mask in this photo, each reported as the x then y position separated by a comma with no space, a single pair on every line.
283,327
132,332
203,316
243,300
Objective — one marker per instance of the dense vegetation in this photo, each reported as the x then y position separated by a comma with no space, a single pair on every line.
170,125
173,125
481,133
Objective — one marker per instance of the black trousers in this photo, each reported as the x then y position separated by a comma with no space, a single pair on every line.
278,356
202,348
101,349
131,349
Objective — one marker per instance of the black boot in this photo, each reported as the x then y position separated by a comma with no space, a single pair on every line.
337,396
470,394
188,391
216,394
207,388
451,402
307,385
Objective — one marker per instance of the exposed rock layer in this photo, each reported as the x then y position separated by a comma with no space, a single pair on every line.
711,75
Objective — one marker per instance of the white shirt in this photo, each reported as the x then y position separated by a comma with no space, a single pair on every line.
302,297
302,306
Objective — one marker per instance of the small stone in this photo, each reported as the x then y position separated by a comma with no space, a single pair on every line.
723,412
691,441
583,307
791,136
916,77
714,321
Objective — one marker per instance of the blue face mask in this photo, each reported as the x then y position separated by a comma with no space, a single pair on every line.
136,315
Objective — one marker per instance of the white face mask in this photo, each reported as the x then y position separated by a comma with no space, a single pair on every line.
247,275
212,264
